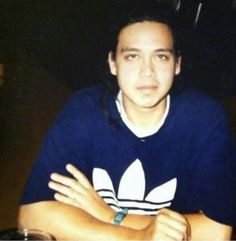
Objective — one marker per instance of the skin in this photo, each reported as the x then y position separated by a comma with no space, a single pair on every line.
79,193
145,66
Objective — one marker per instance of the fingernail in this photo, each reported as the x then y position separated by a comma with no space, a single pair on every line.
53,175
68,166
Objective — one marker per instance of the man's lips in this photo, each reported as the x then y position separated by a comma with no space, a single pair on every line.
147,87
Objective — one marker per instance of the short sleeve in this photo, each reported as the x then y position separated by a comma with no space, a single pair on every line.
67,141
212,184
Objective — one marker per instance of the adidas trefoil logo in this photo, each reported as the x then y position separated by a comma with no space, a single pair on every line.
132,189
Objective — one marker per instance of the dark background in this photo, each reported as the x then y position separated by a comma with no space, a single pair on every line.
52,48
66,38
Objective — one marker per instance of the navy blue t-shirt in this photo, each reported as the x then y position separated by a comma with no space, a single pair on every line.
188,165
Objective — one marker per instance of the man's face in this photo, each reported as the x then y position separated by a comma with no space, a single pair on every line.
144,64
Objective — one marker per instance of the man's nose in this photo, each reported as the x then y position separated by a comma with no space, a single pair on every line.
147,68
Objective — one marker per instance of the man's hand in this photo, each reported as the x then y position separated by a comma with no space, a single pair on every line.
79,192
168,225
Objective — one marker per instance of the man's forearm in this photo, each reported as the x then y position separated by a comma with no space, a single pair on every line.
66,222
201,226
204,228
137,221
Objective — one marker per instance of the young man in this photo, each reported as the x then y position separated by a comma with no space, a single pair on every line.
146,162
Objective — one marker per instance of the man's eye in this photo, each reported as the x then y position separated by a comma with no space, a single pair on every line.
131,56
162,57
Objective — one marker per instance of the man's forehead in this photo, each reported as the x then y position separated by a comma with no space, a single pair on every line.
146,35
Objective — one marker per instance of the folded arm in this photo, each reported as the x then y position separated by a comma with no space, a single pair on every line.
67,222
78,192
204,228
80,213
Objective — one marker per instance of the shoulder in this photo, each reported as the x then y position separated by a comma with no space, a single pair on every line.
81,112
85,102
88,97
195,112
79,119
194,103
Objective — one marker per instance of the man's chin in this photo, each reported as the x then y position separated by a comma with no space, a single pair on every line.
150,104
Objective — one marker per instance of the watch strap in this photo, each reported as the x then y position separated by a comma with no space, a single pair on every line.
120,216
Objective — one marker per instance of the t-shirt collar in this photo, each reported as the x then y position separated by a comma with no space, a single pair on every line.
138,132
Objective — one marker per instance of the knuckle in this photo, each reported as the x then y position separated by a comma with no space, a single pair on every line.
178,235
160,216
74,195
181,237
160,226
159,219
183,227
72,182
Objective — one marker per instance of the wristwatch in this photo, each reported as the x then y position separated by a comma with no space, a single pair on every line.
120,216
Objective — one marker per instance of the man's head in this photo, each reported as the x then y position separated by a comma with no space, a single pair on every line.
145,57
132,12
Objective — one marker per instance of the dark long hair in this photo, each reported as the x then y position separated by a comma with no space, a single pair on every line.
129,12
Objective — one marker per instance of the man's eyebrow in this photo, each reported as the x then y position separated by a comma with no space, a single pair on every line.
128,49
165,50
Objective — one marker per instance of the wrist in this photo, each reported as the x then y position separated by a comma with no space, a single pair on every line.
120,216
142,234
110,216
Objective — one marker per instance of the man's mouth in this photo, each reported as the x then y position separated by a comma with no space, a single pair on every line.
147,88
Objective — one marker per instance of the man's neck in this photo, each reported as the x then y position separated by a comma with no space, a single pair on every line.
145,121
145,118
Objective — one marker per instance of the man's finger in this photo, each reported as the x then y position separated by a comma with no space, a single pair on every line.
61,198
172,222
63,189
67,181
78,175
174,214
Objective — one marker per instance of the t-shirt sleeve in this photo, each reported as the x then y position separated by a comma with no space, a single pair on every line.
66,142
212,182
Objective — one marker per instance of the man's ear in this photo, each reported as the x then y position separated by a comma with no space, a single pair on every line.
178,65
112,63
